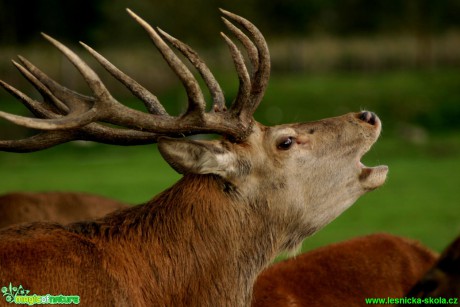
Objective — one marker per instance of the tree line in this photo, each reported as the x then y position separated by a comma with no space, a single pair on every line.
104,21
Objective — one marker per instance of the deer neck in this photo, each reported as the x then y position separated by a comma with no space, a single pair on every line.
199,240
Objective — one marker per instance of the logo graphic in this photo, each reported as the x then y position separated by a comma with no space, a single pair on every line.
11,292
19,295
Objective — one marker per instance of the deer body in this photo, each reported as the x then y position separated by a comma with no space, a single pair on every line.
443,279
243,199
204,240
61,207
345,273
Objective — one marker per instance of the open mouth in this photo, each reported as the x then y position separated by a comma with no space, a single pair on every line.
371,177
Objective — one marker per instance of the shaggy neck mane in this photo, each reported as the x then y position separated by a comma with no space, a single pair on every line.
198,238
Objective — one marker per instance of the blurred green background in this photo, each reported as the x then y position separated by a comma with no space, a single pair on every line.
399,58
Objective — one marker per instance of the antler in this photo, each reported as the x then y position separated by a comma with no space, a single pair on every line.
65,115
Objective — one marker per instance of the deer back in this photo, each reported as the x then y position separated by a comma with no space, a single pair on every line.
60,207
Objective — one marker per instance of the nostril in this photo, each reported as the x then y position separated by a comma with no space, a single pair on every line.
368,117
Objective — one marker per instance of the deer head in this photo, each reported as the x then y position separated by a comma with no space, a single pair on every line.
293,178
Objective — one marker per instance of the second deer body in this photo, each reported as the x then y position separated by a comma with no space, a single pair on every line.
62,207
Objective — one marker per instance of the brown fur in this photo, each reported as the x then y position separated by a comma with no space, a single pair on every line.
60,207
443,280
343,274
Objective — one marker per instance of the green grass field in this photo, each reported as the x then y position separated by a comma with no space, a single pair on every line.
419,200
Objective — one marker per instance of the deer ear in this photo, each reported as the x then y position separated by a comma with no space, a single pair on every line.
197,157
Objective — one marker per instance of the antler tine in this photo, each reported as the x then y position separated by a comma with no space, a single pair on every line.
247,43
243,76
74,101
214,87
262,74
35,107
51,101
150,101
68,122
91,78
197,103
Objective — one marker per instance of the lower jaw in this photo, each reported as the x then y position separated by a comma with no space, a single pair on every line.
373,177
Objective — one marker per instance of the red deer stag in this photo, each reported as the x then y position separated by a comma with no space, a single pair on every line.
61,207
242,200
443,280
345,273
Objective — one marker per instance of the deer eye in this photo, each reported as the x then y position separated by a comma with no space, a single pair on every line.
286,143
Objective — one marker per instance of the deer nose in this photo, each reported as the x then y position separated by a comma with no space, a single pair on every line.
368,117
